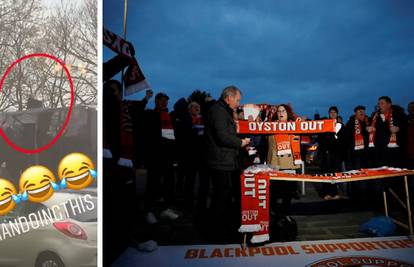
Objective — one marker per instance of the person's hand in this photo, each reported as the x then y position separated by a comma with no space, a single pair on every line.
148,94
394,129
245,142
370,129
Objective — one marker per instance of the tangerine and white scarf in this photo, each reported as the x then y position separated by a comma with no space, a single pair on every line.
393,138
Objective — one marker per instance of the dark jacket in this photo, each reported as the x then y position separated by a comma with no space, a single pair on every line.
156,148
137,112
334,145
383,133
222,143
181,120
112,124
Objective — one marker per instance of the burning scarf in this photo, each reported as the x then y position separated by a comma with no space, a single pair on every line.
255,206
288,144
167,130
393,138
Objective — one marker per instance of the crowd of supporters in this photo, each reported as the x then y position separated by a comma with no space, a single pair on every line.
193,157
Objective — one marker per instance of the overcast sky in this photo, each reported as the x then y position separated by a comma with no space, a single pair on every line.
313,54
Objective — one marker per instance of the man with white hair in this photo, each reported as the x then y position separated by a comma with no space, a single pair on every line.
222,159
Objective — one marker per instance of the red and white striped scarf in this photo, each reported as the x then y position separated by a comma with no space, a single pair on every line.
393,138
167,130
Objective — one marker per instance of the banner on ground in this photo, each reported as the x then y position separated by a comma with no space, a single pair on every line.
382,251
134,79
289,127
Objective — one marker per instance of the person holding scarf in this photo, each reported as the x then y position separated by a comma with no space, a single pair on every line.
284,155
222,158
331,149
357,138
357,145
119,175
387,134
387,142
159,149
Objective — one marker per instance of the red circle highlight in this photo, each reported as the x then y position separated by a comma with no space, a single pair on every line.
72,97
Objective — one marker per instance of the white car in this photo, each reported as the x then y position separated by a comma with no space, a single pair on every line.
71,241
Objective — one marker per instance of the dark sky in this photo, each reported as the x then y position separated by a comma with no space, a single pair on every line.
313,54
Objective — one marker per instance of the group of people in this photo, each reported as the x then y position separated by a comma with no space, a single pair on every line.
385,138
198,141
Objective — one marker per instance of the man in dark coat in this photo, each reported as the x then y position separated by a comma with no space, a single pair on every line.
388,133
387,142
357,156
222,159
159,150
357,138
331,150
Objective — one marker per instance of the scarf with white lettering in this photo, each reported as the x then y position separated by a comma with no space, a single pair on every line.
255,206
127,141
288,144
393,138
359,139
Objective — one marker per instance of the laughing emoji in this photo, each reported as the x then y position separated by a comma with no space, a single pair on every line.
37,184
76,171
7,191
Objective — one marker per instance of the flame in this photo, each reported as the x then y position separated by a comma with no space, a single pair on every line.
313,148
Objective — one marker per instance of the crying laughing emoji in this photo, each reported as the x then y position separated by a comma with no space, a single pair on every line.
37,184
76,171
7,196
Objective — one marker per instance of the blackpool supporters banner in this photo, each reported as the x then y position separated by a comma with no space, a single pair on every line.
382,251
134,78
289,127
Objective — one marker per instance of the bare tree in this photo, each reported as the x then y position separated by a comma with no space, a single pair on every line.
19,25
67,31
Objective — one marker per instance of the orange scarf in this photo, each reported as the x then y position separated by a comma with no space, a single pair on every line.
359,139
288,144
167,130
393,138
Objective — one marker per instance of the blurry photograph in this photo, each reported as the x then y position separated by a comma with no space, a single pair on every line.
48,129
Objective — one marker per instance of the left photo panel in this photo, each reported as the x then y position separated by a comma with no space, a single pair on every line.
48,133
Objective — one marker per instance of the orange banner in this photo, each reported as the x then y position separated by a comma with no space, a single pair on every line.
290,127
